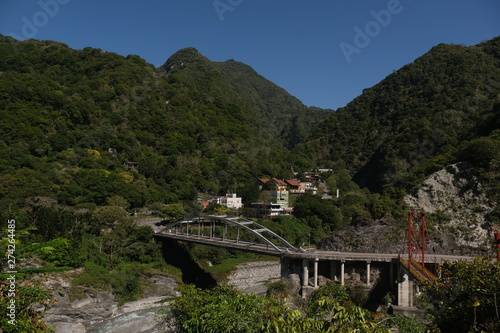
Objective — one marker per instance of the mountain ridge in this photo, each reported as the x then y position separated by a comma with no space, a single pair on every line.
269,101
74,119
439,90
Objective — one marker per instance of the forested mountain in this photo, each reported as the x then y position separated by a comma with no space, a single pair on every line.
417,119
86,136
71,118
275,113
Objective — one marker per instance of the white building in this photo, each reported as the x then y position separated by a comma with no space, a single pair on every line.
308,186
231,201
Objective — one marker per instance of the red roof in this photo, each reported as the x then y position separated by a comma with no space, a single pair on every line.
278,181
293,182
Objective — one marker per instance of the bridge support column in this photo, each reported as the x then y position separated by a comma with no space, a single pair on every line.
405,288
305,272
316,260
342,268
368,273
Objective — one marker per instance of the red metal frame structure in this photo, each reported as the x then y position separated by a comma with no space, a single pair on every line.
416,235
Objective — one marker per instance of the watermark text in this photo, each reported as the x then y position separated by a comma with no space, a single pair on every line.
31,26
11,271
364,35
223,6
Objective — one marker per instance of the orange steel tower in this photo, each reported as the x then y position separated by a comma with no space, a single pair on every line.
416,235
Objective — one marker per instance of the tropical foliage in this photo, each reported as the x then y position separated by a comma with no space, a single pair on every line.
88,137
223,309
26,318
466,298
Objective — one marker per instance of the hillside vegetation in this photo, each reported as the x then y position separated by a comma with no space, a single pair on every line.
441,109
88,137
71,118
81,128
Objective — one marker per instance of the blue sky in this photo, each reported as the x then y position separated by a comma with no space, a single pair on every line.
324,52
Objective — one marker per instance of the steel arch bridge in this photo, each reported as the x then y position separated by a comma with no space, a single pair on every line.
230,232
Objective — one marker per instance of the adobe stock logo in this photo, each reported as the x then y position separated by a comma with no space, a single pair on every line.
372,29
225,6
30,28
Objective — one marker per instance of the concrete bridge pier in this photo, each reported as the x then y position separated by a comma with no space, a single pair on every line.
305,272
309,269
342,272
307,288
315,280
368,272
405,287
334,274
399,277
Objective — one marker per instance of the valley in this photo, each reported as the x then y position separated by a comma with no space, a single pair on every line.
93,144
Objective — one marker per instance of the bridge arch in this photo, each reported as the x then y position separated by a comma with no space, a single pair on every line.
234,231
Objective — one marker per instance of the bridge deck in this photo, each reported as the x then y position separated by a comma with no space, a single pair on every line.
226,243
306,254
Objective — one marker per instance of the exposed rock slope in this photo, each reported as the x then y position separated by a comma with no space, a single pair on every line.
77,316
458,197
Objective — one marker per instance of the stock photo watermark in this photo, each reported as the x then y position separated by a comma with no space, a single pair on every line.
11,310
364,35
223,6
30,26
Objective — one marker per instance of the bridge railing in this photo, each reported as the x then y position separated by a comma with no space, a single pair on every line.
229,229
418,271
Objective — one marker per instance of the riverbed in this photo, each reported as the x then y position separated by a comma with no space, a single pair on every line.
100,313
137,321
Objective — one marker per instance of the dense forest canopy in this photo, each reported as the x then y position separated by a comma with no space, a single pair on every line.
88,136
83,126
72,118
427,110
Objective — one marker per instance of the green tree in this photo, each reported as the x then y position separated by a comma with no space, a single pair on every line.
465,298
110,215
118,200
482,150
57,252
218,209
314,209
223,309
173,212
333,291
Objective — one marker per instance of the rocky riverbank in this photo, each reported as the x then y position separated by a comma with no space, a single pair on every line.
96,308
98,312
252,277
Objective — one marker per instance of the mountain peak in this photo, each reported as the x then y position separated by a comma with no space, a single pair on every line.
182,57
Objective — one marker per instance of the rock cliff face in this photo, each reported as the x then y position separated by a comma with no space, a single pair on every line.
456,195
373,237
79,315
458,224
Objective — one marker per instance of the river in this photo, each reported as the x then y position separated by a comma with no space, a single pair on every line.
141,321
143,315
